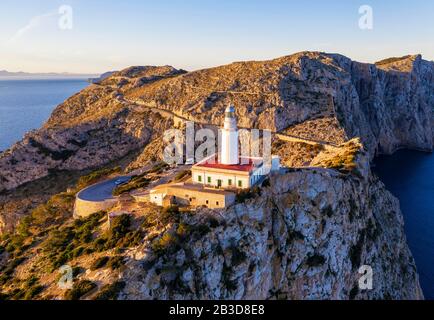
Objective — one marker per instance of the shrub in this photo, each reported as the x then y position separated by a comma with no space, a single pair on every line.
57,208
135,183
356,252
231,285
354,292
115,262
99,244
77,270
159,167
315,261
183,230
12,264
99,263
170,215
70,242
200,231
33,291
391,60
182,175
77,252
93,177
345,160
110,291
79,289
119,228
167,243
238,256
328,211
247,194
131,239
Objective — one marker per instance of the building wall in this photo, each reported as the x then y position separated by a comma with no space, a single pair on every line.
194,198
157,198
224,177
229,150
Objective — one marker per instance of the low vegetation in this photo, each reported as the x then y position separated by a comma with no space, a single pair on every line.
391,60
247,194
99,263
96,176
110,291
140,181
315,260
137,182
183,174
80,289
54,212
345,158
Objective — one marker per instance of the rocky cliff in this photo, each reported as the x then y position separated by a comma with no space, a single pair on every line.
388,106
303,236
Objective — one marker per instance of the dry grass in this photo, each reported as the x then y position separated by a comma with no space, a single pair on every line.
342,159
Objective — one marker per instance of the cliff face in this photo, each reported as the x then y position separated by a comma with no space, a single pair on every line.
304,237
90,129
388,107
396,101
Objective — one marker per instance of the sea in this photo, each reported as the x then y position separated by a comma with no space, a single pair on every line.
25,104
409,175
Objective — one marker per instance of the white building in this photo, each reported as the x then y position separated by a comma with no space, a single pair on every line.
230,150
230,171
215,177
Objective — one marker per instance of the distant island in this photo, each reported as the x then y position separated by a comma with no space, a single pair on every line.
97,79
4,74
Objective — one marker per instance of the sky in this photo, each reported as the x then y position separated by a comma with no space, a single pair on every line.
95,36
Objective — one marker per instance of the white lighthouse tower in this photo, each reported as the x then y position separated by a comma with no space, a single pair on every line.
229,147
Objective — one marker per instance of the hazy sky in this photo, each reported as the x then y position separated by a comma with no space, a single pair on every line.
192,34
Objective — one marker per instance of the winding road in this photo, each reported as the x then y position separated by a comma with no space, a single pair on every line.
178,118
101,191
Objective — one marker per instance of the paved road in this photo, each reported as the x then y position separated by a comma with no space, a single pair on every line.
279,135
101,191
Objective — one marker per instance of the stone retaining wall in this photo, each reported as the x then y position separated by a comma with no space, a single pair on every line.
84,208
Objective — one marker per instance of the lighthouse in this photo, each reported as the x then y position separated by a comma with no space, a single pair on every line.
229,135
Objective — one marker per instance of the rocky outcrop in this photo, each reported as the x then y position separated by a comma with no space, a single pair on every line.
307,234
304,237
395,104
89,130
388,106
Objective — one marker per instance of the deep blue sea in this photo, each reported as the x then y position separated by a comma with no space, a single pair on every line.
409,175
27,104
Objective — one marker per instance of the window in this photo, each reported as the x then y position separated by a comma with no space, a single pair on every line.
219,183
207,201
199,178
240,184
209,179
217,203
230,182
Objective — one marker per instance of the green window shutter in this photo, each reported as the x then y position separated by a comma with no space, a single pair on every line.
199,178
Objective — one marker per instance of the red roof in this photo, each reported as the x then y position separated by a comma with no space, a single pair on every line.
245,164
